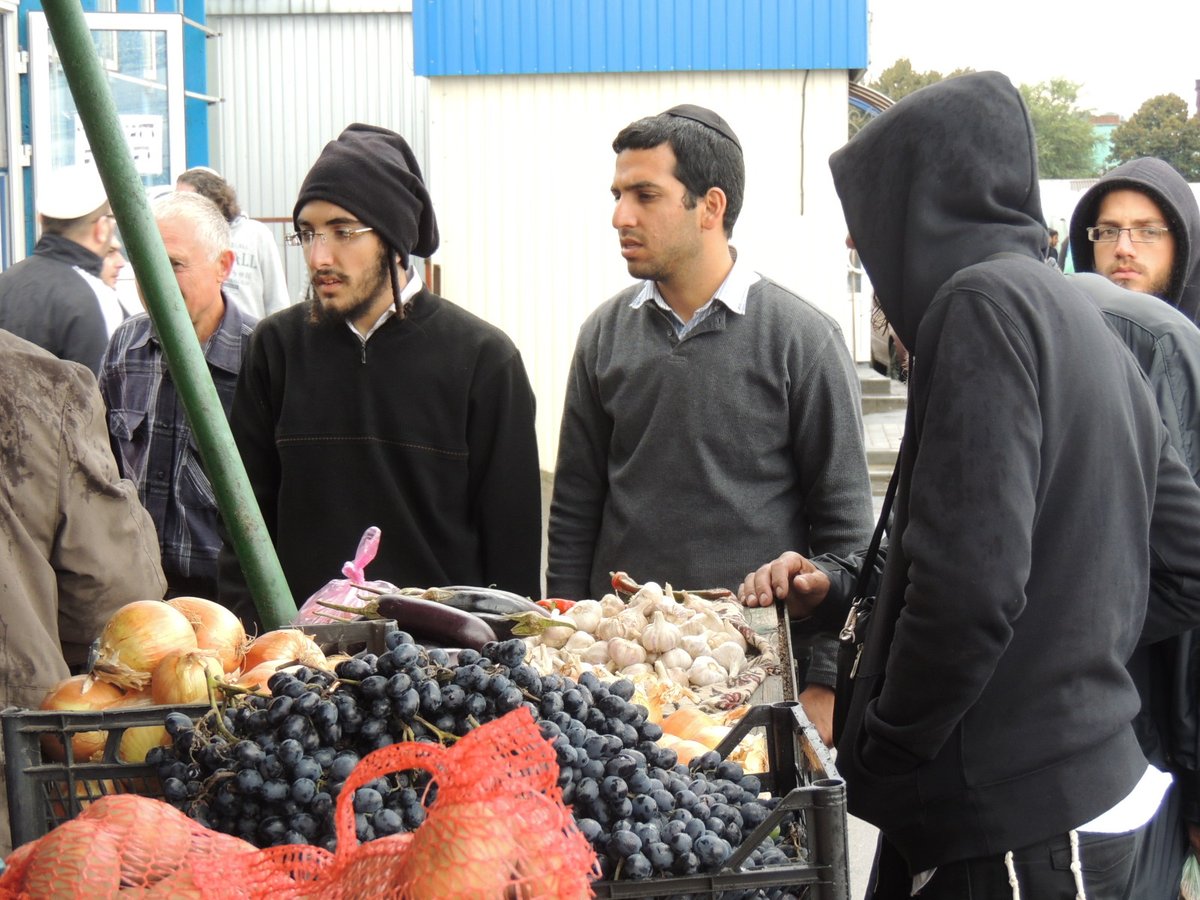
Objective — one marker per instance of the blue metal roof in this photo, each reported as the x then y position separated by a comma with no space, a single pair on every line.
511,37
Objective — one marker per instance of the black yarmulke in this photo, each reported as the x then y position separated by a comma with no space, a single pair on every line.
372,173
705,117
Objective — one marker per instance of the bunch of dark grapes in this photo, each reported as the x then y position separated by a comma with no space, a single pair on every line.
269,769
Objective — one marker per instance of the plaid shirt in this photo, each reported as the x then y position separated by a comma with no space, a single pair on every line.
154,445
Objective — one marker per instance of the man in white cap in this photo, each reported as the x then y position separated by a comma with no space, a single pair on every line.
46,297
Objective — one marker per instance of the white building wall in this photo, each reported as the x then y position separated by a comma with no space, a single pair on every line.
520,169
290,83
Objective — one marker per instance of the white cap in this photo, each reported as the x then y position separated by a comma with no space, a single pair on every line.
71,193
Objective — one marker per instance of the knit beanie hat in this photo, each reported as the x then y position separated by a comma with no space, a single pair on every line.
372,173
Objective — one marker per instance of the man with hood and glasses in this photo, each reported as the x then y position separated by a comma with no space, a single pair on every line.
377,402
1137,228
988,734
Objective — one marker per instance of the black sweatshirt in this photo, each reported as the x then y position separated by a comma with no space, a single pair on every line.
1038,499
426,431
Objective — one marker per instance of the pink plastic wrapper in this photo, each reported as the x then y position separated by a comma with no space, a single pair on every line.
342,591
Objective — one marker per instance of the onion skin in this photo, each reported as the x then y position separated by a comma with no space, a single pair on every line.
283,646
182,677
137,637
79,693
216,629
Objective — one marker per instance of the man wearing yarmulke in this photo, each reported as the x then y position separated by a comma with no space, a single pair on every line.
47,298
377,402
711,414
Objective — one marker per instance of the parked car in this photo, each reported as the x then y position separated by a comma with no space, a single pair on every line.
888,355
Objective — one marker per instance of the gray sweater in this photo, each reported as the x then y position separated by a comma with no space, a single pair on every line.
694,461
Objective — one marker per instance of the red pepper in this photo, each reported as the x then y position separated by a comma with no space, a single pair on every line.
555,604
623,584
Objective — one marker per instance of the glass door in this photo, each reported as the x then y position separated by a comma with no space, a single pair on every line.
142,56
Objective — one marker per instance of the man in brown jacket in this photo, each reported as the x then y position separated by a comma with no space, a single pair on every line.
75,543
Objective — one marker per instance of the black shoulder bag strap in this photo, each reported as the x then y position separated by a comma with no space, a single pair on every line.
850,640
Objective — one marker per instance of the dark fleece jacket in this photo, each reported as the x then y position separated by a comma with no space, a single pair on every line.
992,706
1166,187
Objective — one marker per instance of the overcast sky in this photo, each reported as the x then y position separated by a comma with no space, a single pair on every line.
1121,54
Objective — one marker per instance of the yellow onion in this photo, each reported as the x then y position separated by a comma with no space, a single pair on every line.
182,677
216,629
135,640
79,693
256,679
287,645
137,742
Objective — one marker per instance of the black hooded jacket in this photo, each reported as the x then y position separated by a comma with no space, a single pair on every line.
1166,187
1038,500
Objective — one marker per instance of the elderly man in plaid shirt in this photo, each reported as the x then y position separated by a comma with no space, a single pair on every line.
151,437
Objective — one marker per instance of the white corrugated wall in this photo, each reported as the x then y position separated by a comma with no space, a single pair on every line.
520,169
290,83
520,166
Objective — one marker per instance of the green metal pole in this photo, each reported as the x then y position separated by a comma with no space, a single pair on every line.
98,112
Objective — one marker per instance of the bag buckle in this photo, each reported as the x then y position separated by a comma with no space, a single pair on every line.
848,630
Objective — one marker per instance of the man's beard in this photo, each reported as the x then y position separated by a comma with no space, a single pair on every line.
360,300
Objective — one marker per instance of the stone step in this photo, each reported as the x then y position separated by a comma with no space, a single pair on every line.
883,403
880,476
872,383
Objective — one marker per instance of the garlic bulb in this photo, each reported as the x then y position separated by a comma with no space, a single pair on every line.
579,641
730,656
637,669
731,629
586,615
677,658
705,671
650,594
614,627
623,652
556,636
660,635
596,654
611,605
679,676
695,645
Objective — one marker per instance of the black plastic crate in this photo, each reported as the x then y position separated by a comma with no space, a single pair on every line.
803,776
44,793
351,637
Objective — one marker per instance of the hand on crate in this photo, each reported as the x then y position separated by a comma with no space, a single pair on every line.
817,700
790,577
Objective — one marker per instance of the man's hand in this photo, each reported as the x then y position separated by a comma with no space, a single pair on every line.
817,700
792,578
1193,831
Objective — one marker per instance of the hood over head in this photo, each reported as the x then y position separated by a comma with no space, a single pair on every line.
1173,196
942,180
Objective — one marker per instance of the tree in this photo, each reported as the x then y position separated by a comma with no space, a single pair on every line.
1160,128
896,81
1064,135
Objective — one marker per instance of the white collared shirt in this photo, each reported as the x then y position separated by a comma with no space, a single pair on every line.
733,294
410,290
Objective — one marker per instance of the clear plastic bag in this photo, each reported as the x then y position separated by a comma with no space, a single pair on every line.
346,591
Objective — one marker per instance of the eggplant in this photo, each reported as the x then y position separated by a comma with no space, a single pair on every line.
501,625
438,623
489,600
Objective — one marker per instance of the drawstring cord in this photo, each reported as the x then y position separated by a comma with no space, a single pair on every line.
1012,875
1076,868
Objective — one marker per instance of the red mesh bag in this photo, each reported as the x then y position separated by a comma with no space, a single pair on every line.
497,829
128,845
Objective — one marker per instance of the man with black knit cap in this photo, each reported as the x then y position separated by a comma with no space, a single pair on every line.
377,402
712,416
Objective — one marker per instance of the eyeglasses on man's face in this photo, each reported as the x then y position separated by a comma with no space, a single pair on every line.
306,238
1141,234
